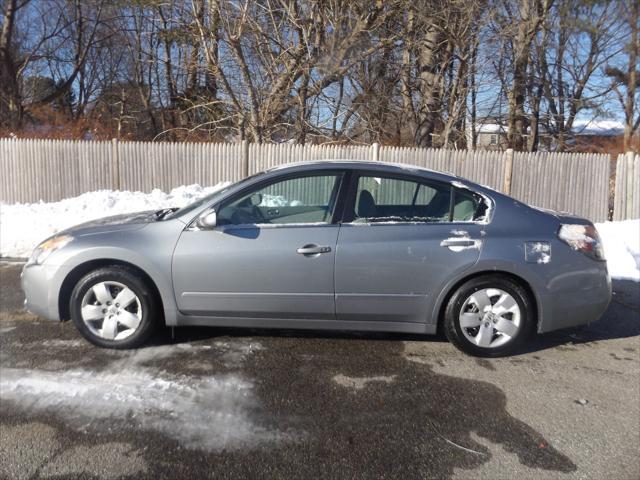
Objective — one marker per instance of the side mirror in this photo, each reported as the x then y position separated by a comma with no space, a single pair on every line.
208,220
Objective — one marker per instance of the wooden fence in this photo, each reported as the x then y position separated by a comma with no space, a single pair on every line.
50,170
626,200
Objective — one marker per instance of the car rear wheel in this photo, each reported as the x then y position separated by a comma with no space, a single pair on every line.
489,316
113,308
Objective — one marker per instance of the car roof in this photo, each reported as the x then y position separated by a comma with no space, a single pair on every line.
388,167
366,165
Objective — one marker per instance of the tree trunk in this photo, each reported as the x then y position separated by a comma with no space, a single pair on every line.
532,15
194,55
10,101
408,111
428,62
632,80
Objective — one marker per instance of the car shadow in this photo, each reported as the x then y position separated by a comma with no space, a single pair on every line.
621,320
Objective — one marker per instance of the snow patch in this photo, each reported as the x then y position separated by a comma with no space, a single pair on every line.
24,225
621,241
58,343
598,127
235,352
537,252
207,412
358,383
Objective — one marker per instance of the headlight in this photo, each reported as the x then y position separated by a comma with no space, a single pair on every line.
42,251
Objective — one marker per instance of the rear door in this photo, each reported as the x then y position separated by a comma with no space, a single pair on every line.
270,256
402,239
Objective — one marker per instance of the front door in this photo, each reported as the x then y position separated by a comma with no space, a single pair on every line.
271,254
405,239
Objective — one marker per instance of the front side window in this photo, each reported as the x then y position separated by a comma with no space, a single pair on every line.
305,200
389,200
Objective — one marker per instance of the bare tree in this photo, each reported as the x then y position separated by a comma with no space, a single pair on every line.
520,23
403,72
628,80
10,65
578,40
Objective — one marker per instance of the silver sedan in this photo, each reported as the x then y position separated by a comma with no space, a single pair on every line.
329,245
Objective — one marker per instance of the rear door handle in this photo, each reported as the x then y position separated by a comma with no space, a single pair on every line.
458,242
312,249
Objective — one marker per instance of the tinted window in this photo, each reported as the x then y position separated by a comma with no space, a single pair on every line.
308,199
380,199
383,199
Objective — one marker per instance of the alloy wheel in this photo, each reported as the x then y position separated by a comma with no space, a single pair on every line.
490,318
111,310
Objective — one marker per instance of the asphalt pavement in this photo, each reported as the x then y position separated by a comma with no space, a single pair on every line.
214,403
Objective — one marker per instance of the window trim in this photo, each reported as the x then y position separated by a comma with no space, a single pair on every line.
352,191
341,174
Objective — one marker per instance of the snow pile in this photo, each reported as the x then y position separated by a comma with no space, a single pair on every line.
24,225
621,242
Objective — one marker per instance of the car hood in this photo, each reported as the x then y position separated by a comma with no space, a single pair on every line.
127,221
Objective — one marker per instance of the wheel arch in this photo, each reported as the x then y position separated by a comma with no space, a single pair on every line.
512,276
82,269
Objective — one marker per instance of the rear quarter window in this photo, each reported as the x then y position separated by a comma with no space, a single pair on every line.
468,206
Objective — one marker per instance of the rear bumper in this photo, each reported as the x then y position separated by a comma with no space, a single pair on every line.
575,298
39,286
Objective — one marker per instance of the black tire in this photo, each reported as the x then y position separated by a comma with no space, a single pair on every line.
453,330
130,279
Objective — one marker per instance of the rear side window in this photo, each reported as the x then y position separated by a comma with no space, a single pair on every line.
388,200
380,199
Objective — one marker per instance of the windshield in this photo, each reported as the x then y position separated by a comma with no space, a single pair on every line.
207,199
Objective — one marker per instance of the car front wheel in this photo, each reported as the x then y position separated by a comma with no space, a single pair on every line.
112,307
489,316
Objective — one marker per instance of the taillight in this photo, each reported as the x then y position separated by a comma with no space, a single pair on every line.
583,238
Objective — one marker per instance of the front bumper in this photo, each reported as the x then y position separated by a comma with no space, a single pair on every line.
41,290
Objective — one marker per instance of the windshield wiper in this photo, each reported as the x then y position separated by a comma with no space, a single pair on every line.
160,214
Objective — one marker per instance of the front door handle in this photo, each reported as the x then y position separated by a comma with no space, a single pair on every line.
313,249
458,242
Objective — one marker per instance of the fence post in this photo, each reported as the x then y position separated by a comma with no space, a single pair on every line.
508,171
245,158
629,159
115,158
376,151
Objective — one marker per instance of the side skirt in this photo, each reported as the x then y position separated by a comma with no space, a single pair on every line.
306,324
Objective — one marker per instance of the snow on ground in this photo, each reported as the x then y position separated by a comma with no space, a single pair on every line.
23,226
212,412
622,248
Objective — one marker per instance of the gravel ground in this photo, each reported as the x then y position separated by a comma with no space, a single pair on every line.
214,403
